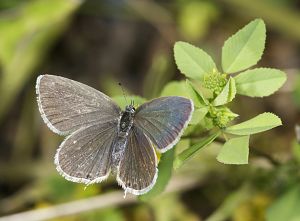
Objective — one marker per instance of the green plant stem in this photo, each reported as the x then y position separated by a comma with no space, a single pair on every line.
191,151
225,137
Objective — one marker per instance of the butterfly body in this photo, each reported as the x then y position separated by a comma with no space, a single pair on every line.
101,138
124,126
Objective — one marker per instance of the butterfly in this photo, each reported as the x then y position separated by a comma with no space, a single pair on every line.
101,138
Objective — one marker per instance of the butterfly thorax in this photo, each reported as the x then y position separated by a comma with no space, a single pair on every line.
125,124
126,120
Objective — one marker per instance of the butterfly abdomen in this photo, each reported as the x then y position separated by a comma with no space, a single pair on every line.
125,124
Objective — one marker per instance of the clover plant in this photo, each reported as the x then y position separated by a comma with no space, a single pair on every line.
213,88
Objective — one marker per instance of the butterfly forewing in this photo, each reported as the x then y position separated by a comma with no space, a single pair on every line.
68,105
137,170
85,156
164,119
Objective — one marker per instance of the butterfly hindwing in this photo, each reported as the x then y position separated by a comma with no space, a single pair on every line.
164,119
85,155
137,170
68,105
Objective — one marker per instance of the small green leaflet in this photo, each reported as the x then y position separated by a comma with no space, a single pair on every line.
165,168
227,94
200,97
189,152
192,61
259,82
245,48
198,115
260,123
235,151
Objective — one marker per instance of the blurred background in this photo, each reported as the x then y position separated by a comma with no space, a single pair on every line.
101,43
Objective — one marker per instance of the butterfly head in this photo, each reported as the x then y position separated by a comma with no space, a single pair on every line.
130,108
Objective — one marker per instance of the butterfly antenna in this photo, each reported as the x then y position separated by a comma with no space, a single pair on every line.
124,94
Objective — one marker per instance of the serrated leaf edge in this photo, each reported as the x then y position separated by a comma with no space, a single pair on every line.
232,36
262,68
275,125
197,48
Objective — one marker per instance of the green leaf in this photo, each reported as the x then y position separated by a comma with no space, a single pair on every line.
180,88
235,151
191,151
245,48
259,82
260,123
198,96
120,100
286,206
165,168
198,115
192,61
227,94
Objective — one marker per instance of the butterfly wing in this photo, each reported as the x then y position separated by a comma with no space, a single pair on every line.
67,105
137,170
85,155
164,119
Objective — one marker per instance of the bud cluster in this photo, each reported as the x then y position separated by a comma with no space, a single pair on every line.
215,81
221,116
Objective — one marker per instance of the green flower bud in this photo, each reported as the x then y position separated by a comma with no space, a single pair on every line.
221,116
215,81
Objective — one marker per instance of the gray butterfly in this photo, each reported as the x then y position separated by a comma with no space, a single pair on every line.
103,138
